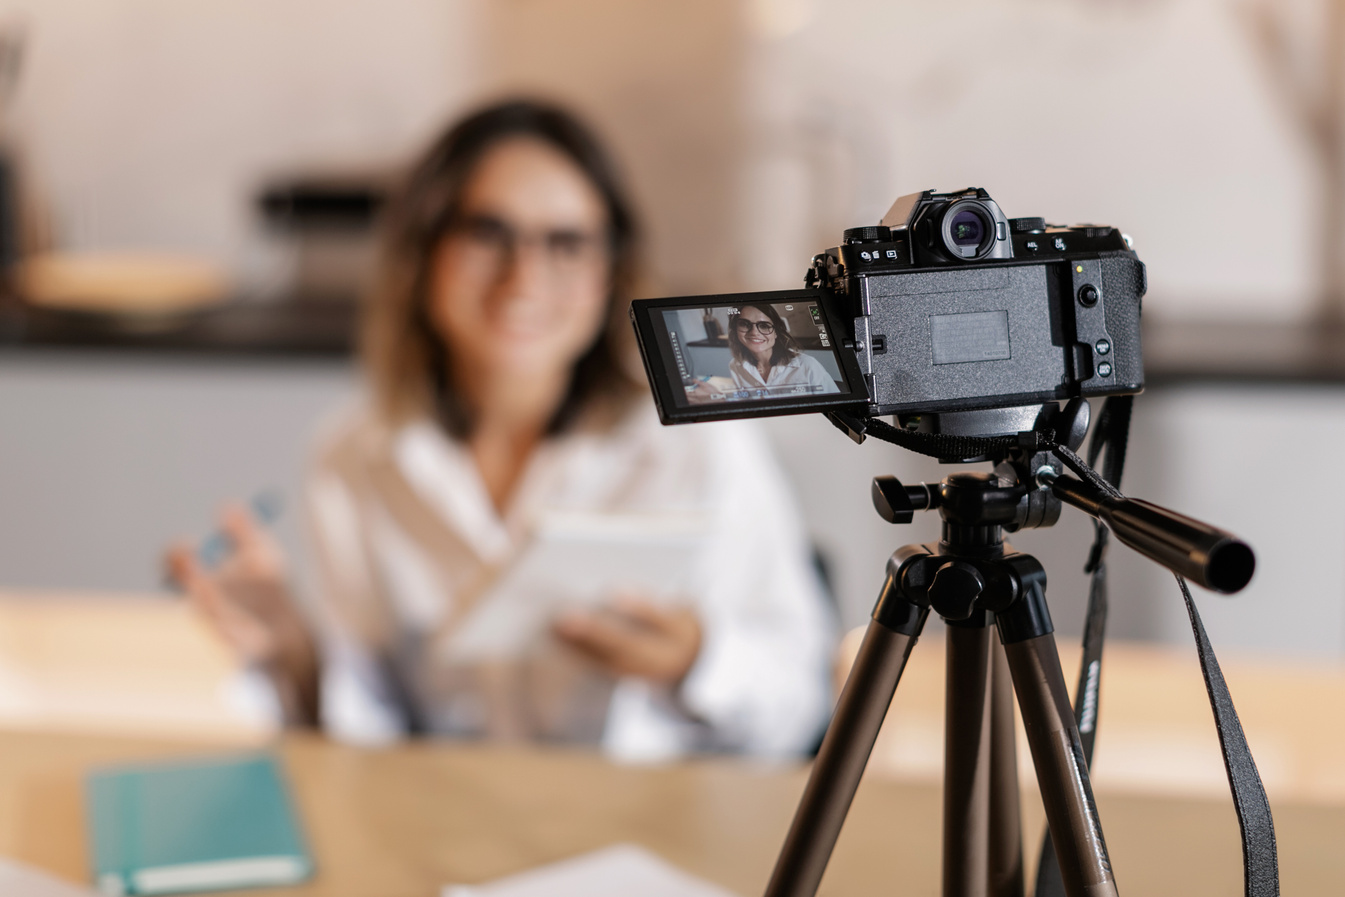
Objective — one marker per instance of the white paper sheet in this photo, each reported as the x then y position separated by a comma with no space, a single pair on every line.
18,880
579,561
622,870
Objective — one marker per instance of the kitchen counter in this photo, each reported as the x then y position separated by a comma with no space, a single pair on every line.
288,328
1175,351
1247,352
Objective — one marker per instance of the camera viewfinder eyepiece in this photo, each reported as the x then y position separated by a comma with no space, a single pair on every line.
966,229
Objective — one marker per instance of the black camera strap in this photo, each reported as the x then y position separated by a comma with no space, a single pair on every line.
1260,858
1259,853
942,445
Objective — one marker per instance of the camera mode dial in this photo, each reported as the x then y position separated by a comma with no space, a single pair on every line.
872,234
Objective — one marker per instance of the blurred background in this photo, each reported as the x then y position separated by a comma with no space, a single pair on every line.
189,193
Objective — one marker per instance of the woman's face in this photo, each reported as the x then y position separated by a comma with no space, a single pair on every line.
520,285
748,331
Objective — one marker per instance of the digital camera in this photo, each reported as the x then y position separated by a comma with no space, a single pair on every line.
945,306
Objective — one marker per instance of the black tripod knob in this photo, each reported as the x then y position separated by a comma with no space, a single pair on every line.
954,591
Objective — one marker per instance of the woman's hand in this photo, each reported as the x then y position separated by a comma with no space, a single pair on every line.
703,392
247,601
636,638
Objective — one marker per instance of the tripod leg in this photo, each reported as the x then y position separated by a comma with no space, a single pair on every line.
849,740
1057,752
1006,823
966,763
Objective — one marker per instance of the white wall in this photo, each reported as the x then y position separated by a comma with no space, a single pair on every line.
754,131
1260,462
661,82
107,459
1152,116
151,123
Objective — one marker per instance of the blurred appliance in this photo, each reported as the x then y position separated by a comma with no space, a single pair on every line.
328,228
11,57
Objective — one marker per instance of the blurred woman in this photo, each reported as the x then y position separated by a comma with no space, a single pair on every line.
765,355
496,349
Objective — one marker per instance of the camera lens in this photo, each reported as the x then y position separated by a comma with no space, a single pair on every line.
966,228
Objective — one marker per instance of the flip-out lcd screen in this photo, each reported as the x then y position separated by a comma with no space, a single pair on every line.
733,355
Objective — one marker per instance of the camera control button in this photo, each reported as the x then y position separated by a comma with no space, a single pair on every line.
1104,369
1088,295
1103,346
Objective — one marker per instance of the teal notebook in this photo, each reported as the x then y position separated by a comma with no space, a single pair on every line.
192,826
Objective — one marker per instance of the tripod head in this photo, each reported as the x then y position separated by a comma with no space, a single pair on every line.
1029,486
1204,554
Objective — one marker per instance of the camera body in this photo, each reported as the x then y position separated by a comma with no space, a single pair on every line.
956,307
945,306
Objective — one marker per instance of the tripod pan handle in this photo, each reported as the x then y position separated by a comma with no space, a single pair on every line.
1204,554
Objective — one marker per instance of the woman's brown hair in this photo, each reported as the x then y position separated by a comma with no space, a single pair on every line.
406,359
785,348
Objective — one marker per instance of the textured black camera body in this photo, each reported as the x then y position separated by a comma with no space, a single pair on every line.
945,306
1011,312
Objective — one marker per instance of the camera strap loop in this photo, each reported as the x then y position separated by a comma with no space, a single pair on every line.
1108,444
1083,471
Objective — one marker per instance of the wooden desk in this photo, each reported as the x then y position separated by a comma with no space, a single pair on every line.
117,664
147,666
404,821
1156,734
137,679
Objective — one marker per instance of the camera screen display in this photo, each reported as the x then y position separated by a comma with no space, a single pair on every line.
751,350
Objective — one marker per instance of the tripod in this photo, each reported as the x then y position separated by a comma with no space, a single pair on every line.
976,581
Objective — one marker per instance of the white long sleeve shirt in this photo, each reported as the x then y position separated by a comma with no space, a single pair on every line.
800,371
406,535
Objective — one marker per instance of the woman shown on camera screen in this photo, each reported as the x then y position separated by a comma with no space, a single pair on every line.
765,355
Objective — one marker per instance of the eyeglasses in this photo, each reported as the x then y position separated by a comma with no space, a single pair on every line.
765,328
490,245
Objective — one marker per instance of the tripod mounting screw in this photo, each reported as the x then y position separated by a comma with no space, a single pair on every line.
954,590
